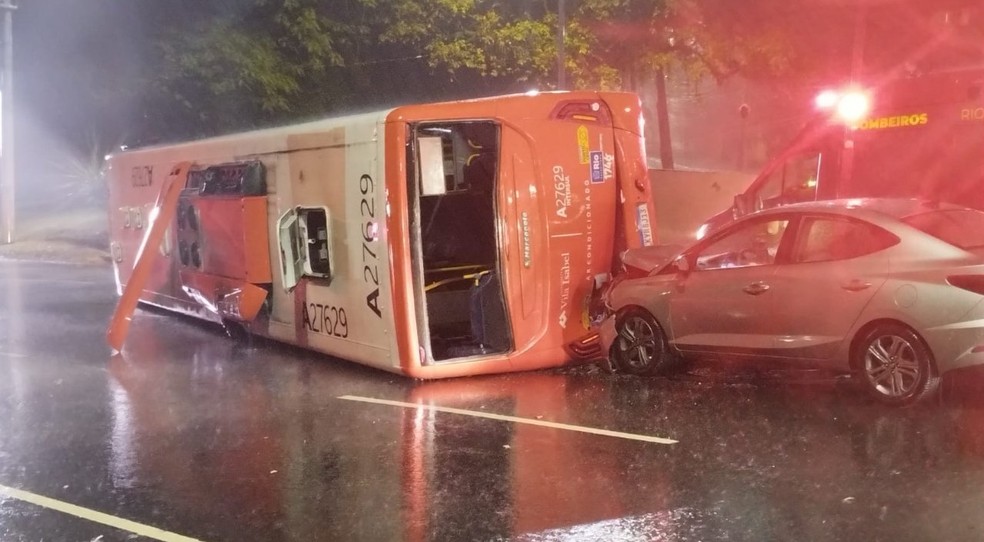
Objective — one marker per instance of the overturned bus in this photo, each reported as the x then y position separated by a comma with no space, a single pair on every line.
430,240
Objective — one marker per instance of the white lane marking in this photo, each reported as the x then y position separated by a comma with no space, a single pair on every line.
514,419
12,354
59,281
94,516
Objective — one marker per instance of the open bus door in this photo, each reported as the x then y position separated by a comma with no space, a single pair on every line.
456,243
164,211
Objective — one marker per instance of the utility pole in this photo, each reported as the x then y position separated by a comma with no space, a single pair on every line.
7,126
860,36
561,33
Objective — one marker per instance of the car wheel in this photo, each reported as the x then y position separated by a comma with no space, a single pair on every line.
896,366
640,347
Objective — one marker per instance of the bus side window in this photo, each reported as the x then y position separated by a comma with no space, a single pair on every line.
305,245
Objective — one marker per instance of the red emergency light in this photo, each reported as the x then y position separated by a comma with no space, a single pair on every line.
827,99
849,106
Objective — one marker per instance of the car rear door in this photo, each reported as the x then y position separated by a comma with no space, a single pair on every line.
835,266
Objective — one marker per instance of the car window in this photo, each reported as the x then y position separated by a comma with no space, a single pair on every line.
823,239
959,227
751,244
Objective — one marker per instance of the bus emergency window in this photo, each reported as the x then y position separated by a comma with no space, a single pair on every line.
305,247
314,232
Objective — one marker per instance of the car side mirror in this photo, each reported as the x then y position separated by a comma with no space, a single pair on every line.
681,264
743,204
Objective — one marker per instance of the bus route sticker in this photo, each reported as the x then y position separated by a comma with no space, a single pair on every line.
597,167
583,146
644,225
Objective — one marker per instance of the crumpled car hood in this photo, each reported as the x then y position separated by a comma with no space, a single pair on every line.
650,258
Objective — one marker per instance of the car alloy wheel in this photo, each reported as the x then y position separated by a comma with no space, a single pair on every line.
896,365
640,347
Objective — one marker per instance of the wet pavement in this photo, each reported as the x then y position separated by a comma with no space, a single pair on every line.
201,437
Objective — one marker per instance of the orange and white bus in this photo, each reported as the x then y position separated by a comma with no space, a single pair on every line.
431,240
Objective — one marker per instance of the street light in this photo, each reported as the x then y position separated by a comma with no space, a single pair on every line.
7,126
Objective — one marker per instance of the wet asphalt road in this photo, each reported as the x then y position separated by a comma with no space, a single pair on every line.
196,435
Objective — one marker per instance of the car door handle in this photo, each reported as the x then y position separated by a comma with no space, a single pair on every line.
756,288
856,285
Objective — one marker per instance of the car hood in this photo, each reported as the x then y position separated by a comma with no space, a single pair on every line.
648,259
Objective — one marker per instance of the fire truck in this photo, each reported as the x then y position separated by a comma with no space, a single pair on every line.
917,137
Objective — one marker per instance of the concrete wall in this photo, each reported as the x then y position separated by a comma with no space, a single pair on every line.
685,199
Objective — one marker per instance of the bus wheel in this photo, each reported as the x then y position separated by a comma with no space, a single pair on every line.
640,347
895,365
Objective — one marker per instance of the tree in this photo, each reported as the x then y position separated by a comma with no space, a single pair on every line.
227,65
610,44
245,63
238,65
645,42
490,38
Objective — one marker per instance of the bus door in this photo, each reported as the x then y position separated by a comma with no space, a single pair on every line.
461,309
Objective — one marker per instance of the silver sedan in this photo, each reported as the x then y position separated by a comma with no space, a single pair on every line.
891,290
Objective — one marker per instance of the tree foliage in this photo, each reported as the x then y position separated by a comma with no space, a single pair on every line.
231,61
230,64
168,70
493,39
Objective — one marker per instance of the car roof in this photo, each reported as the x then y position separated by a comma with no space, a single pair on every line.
893,207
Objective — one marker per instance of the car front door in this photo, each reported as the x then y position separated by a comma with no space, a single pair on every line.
835,266
724,303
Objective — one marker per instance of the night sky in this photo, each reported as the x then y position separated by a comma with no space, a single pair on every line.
65,53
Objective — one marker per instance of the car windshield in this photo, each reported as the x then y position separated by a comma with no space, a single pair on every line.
962,228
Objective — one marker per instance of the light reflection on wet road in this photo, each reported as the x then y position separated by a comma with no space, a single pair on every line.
194,434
